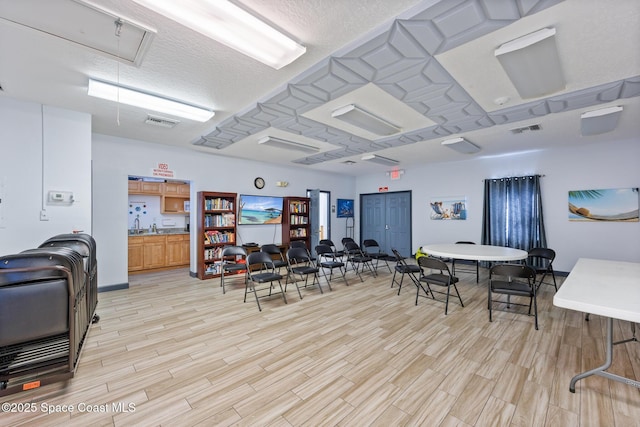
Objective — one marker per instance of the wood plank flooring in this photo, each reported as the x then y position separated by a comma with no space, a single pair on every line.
174,351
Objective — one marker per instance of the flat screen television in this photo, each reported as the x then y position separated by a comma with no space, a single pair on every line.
260,210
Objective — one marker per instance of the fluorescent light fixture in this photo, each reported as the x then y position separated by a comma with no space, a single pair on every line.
232,26
287,145
374,158
125,95
600,121
461,145
356,116
532,63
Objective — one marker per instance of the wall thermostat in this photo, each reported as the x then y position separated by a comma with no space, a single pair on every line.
60,197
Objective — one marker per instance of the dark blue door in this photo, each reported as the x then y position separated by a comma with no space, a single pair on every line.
386,217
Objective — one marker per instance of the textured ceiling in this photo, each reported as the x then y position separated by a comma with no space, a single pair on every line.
427,67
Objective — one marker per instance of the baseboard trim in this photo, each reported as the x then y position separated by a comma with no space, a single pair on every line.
116,287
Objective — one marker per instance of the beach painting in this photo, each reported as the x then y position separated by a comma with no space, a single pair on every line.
604,205
448,208
260,209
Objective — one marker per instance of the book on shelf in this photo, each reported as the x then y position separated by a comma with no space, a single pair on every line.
298,220
214,268
297,207
214,236
212,253
220,220
298,232
218,203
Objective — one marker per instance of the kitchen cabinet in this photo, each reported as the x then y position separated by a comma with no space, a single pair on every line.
178,250
175,189
174,196
154,252
145,187
136,254
158,252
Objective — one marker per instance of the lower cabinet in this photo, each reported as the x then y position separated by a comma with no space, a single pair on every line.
136,254
158,252
178,250
155,251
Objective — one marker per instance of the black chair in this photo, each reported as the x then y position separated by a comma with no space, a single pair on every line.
328,242
372,249
403,268
300,264
455,262
441,278
327,258
234,261
541,259
262,271
358,259
513,280
278,259
303,245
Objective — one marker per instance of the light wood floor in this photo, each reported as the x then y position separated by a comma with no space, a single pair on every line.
182,354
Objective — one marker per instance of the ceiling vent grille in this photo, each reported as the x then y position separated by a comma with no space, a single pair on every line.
531,128
161,121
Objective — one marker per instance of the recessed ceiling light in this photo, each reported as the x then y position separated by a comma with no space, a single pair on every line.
287,145
374,158
356,116
461,145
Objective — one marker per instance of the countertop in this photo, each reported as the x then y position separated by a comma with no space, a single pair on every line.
161,231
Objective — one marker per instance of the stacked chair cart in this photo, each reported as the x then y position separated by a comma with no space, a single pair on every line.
48,298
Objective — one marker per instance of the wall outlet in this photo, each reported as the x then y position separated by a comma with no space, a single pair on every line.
44,216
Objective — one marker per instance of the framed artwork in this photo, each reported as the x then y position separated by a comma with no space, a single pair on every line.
345,208
604,205
448,208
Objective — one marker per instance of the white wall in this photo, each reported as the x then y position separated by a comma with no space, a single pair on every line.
30,133
114,159
615,164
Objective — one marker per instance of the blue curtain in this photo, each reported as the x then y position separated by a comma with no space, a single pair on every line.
512,214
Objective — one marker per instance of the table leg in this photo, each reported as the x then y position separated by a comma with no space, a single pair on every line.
601,369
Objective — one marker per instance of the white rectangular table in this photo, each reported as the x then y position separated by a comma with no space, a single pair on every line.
606,288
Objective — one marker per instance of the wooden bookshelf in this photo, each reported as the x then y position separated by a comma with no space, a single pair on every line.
216,229
296,221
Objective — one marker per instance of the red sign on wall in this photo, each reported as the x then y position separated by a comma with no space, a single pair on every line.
382,189
162,170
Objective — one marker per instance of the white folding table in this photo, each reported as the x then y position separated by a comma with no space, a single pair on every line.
475,252
606,288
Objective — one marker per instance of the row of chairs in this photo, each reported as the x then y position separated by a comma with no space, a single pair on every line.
264,267
504,279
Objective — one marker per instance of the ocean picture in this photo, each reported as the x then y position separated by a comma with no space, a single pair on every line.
260,209
613,204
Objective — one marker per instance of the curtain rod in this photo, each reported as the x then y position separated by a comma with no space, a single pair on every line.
511,177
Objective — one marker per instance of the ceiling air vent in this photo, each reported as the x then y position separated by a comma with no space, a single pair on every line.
532,128
161,121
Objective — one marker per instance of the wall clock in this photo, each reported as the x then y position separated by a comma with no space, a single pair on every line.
259,183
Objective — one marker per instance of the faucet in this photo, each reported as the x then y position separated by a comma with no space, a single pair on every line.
136,224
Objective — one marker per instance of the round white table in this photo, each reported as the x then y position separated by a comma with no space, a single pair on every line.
475,252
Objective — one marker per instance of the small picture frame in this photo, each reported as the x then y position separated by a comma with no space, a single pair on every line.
345,208
187,205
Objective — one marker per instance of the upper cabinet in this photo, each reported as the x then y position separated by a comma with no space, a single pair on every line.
174,196
144,187
175,189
